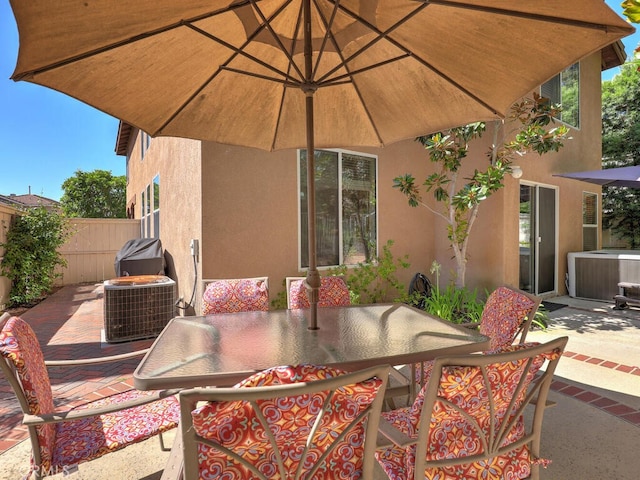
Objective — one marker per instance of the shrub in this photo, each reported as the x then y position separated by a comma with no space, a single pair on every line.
461,305
31,254
372,282
376,281
457,305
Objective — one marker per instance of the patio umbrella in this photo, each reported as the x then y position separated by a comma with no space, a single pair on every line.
609,177
276,74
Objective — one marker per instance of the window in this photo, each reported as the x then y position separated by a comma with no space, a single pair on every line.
589,221
145,218
156,206
346,207
564,89
150,209
145,141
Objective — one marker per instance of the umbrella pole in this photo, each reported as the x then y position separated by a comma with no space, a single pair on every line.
313,277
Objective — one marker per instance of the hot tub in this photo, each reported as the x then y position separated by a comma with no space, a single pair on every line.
596,274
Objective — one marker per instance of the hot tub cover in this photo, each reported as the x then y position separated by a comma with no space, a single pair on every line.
140,256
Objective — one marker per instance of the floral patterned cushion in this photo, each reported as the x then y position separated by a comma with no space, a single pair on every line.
19,344
503,314
451,434
236,295
235,425
69,443
95,436
333,293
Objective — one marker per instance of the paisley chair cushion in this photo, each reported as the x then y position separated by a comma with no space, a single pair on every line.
235,425
236,295
333,293
450,433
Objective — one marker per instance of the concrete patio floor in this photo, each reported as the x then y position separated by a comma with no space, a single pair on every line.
592,432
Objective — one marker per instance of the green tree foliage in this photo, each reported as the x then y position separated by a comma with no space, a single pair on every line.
621,148
31,254
459,199
631,10
96,194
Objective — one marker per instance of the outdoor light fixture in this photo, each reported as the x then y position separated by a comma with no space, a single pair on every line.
516,171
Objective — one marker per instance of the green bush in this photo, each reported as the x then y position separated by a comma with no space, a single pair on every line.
541,318
280,302
376,281
461,305
457,305
373,282
31,254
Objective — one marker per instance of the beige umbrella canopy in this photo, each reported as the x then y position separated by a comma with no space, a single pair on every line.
276,74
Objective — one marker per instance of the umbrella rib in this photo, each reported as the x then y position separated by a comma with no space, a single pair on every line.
286,83
420,60
340,79
267,24
127,41
327,36
291,65
531,16
380,34
286,79
348,77
239,51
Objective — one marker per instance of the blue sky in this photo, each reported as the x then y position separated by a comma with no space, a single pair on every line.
46,136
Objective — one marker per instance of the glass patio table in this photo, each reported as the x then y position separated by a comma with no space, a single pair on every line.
222,349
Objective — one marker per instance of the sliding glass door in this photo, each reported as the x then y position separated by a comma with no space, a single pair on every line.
538,239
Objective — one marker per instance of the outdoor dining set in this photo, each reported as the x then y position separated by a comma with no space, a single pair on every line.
257,393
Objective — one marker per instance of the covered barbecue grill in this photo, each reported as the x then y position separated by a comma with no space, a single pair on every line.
140,256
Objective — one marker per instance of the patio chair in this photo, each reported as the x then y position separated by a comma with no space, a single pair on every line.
235,295
333,292
467,422
507,314
300,421
60,440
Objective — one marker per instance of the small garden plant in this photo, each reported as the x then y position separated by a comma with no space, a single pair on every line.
461,305
371,282
376,281
457,305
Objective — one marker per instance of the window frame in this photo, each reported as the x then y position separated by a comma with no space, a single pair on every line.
558,78
594,226
155,207
145,143
340,152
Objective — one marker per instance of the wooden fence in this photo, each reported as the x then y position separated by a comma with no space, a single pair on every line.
90,251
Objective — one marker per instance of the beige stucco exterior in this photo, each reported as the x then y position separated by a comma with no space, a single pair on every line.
242,205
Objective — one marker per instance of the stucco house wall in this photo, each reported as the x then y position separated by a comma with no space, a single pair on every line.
242,205
178,163
250,212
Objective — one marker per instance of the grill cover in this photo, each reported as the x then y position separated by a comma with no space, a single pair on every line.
140,256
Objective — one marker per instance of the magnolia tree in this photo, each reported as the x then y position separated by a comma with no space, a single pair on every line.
458,199
631,10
